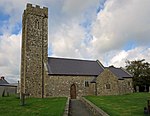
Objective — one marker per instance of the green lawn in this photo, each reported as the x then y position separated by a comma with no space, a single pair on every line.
123,105
10,106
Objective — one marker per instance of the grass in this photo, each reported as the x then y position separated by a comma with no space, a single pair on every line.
123,105
10,106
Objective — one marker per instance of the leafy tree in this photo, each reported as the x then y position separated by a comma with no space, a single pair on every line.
140,71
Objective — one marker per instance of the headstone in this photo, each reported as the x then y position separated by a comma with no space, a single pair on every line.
137,88
145,88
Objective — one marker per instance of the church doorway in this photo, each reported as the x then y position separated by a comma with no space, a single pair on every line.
73,91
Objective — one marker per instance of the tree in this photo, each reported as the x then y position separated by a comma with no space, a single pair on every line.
141,73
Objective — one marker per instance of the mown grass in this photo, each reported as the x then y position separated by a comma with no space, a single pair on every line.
123,105
10,106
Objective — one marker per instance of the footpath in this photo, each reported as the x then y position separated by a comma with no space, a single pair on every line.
77,108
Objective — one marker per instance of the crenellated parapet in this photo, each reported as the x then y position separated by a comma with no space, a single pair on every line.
36,10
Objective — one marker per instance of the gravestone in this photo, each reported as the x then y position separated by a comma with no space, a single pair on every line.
145,90
137,88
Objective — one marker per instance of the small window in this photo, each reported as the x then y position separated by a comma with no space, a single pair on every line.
129,83
107,86
86,84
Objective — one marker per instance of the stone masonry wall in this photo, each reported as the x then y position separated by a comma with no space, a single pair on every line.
60,85
117,87
34,50
125,86
107,78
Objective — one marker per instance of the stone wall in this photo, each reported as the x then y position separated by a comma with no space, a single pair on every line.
109,84
107,78
125,86
96,110
8,90
34,49
60,85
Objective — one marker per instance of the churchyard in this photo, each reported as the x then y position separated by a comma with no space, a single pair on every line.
11,106
122,105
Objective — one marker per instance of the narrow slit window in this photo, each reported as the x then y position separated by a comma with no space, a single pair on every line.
37,24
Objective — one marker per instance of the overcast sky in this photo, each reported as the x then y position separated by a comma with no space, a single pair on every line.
111,31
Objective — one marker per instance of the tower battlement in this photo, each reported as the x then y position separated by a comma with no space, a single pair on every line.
36,10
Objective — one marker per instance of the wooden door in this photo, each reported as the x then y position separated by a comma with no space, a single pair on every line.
73,91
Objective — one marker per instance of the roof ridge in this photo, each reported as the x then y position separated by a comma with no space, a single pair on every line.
73,59
100,64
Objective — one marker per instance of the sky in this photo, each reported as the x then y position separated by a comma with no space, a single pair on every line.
112,31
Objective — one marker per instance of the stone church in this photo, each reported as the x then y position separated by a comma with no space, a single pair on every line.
43,76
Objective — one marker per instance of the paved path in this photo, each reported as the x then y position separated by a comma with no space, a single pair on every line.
77,108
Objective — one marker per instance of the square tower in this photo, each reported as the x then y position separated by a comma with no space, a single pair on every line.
34,50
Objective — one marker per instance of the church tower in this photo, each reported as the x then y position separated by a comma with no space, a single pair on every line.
34,50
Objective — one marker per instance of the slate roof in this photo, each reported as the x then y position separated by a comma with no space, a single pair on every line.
120,72
3,81
64,66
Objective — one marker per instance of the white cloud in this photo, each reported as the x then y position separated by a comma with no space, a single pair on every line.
77,7
10,56
137,53
119,22
14,9
68,41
